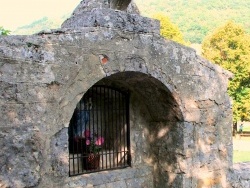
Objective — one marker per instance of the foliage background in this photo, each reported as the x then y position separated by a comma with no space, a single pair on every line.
229,47
196,18
4,31
168,29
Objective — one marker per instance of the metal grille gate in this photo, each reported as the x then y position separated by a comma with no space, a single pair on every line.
99,135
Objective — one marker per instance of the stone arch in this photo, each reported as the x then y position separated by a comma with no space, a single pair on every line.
156,123
150,90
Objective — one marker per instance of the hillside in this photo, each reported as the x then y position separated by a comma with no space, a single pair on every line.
39,25
195,18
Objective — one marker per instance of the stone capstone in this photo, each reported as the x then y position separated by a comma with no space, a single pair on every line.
110,18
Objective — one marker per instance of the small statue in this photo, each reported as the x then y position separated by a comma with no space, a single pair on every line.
82,116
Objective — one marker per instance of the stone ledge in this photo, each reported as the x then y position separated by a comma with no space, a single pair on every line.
120,177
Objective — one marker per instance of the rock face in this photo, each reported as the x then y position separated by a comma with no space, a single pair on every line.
240,175
179,109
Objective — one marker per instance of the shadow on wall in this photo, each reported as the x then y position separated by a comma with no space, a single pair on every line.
156,130
182,153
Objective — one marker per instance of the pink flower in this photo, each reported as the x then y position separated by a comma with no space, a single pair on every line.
87,142
87,133
99,141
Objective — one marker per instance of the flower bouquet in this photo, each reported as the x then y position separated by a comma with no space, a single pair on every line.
94,143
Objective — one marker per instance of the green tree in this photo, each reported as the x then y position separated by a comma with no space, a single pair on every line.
197,18
229,47
168,29
4,31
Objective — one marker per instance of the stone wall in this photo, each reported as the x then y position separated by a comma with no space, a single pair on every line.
240,175
179,107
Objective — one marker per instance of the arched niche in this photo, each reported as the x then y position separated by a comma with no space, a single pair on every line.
156,132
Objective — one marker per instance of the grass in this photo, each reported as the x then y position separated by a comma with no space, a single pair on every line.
241,156
238,155
246,128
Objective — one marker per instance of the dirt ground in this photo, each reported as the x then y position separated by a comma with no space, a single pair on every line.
242,143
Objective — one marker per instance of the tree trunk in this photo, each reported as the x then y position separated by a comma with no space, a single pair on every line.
234,128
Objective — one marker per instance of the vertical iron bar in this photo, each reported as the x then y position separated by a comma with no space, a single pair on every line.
74,152
70,144
77,144
93,115
128,129
80,136
100,111
89,128
73,145
124,129
97,114
109,127
113,130
95,122
105,124
120,136
87,119
117,143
